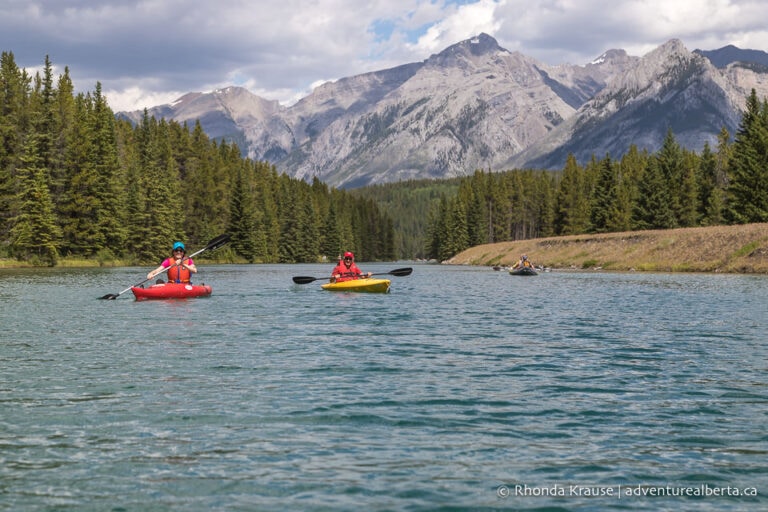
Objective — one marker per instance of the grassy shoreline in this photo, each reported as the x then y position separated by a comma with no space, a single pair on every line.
9,263
729,249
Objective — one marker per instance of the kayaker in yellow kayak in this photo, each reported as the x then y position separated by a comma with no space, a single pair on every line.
346,269
180,271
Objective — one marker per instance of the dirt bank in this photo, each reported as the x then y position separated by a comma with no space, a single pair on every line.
737,249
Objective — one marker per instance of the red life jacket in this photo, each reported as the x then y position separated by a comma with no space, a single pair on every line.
179,274
346,273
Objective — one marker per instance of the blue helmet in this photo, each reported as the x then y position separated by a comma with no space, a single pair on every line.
179,245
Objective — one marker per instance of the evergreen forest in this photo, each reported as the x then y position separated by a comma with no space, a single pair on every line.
76,182
670,188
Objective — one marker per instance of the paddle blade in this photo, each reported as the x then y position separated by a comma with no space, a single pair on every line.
109,296
401,272
304,279
217,242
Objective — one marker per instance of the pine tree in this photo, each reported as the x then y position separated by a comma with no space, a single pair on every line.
572,200
711,190
78,206
331,247
604,199
34,234
748,185
689,191
630,172
669,161
242,223
14,115
653,206
163,216
545,201
109,190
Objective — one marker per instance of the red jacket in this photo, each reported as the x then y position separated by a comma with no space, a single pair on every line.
344,273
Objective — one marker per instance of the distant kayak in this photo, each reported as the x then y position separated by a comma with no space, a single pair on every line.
172,291
359,285
523,271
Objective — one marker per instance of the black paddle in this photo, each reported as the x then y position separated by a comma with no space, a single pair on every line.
399,272
213,244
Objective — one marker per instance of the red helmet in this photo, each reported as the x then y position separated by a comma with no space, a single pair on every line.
349,255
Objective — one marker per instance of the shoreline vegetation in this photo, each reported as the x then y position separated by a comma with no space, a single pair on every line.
80,262
728,249
741,249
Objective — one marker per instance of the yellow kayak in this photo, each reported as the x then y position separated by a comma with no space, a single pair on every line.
359,285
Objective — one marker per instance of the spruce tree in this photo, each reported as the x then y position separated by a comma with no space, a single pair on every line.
709,203
630,171
109,190
35,236
748,169
14,115
669,161
572,200
653,210
79,206
242,225
603,209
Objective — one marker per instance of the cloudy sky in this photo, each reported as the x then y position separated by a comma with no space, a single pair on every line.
150,52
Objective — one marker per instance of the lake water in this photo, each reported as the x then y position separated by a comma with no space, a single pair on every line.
461,389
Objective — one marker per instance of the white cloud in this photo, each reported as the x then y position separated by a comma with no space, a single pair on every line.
464,22
136,98
146,52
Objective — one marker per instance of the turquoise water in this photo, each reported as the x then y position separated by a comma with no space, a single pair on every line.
462,389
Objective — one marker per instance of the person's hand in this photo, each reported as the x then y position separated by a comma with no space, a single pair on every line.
369,274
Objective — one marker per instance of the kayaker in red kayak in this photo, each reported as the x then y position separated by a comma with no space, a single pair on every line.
346,269
180,271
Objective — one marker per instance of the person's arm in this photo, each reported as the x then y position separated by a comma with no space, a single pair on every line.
159,269
190,265
360,273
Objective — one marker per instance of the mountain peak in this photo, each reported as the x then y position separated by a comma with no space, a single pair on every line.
479,45
610,56
726,55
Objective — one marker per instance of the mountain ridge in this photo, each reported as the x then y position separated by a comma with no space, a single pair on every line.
477,105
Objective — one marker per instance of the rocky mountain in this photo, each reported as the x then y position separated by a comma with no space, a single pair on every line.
477,105
668,89
726,55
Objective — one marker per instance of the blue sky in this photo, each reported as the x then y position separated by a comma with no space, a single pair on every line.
150,52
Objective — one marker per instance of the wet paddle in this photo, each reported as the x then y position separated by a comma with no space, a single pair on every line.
212,245
399,272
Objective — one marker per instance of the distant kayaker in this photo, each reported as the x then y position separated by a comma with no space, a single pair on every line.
179,269
523,262
346,269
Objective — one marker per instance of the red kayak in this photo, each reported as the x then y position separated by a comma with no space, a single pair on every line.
171,291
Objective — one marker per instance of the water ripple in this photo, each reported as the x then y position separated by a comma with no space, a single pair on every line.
445,394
